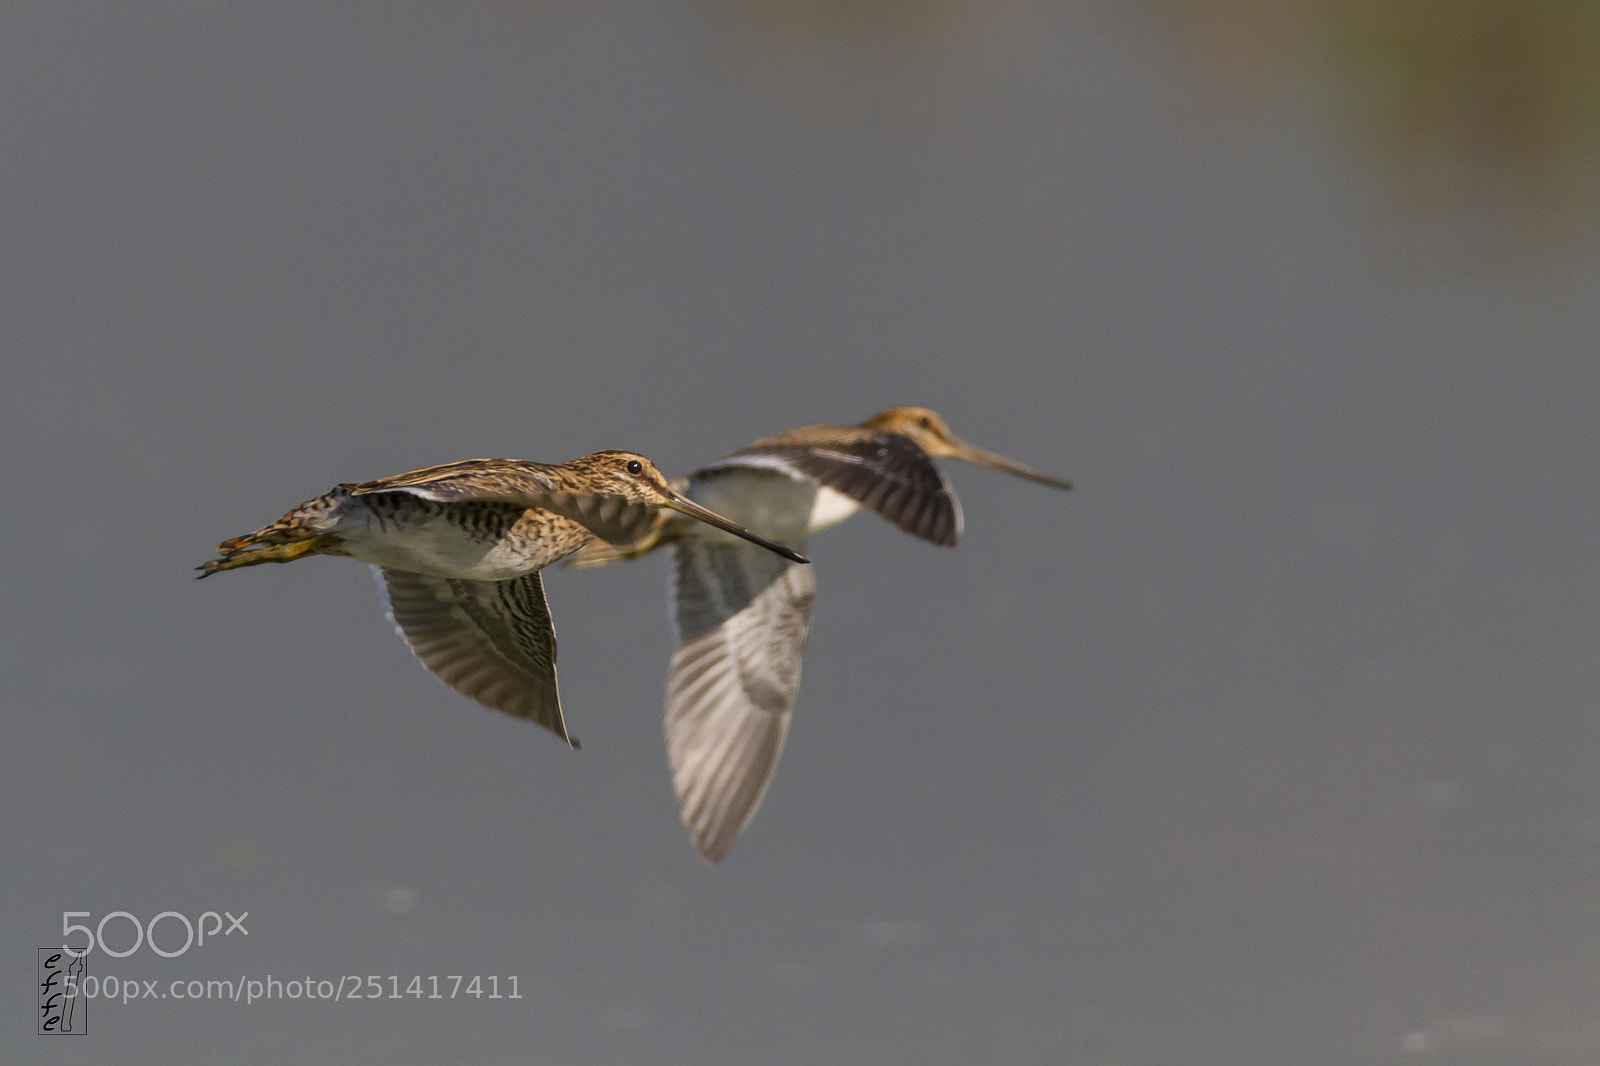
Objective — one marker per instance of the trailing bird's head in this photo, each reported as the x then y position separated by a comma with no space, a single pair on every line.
928,431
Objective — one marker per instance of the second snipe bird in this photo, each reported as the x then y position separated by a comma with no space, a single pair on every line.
459,548
742,615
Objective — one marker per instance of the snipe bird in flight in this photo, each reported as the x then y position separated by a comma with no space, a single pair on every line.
459,548
742,615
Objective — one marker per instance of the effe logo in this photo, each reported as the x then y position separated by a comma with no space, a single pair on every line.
63,1009
146,933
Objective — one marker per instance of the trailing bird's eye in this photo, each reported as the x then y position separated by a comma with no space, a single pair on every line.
635,466
925,422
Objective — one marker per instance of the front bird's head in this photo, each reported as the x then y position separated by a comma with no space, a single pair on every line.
632,477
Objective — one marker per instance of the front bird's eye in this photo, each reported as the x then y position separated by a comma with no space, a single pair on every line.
635,466
925,422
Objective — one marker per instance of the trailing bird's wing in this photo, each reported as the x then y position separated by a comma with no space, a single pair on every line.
883,471
742,615
490,640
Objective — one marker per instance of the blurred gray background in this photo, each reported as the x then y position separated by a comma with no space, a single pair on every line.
1274,742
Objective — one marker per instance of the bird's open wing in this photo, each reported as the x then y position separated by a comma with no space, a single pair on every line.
882,471
611,518
742,615
490,640
664,526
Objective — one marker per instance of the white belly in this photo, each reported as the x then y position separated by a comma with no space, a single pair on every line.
447,555
422,540
829,509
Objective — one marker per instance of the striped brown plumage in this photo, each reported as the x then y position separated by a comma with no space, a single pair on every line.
459,546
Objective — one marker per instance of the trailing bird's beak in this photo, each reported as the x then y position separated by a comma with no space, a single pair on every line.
960,449
683,505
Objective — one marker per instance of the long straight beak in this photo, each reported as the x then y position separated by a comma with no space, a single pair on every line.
964,451
683,505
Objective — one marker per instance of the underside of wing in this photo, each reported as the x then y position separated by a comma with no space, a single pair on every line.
884,472
742,616
663,528
490,640
613,519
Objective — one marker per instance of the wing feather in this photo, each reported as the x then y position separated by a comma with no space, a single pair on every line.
885,472
742,623
490,640
503,480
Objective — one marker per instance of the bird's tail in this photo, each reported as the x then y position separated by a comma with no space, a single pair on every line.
296,534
